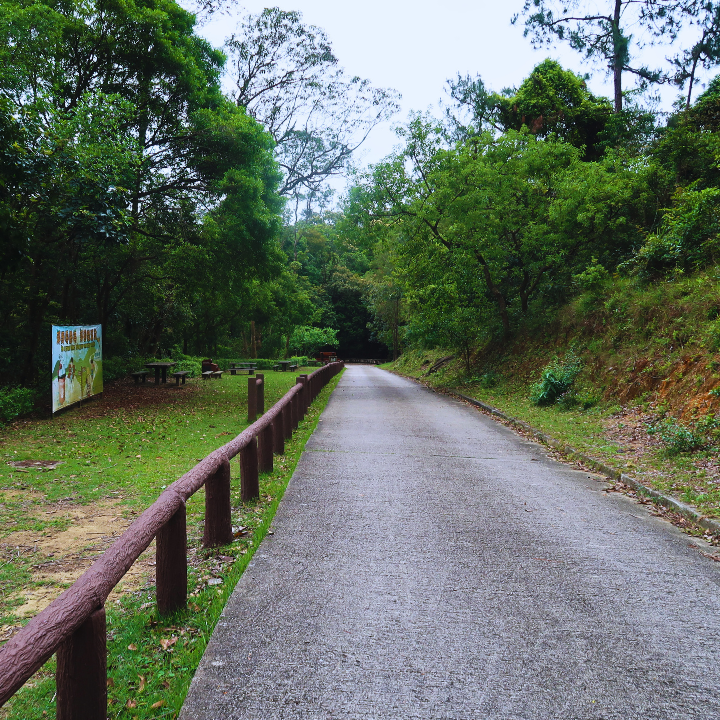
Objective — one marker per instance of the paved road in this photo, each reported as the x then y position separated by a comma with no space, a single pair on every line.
428,563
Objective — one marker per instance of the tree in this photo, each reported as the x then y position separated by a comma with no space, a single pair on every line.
121,148
550,101
601,31
703,54
287,78
480,212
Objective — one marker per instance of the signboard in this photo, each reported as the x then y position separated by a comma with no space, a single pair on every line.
76,363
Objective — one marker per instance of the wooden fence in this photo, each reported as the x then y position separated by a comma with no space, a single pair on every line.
73,625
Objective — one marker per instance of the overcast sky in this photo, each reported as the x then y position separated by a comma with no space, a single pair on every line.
415,46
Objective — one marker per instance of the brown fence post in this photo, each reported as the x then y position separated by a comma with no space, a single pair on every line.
249,480
260,393
287,420
265,449
252,400
218,520
294,403
171,563
81,673
278,434
302,396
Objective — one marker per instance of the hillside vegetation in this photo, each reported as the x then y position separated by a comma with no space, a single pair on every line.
643,364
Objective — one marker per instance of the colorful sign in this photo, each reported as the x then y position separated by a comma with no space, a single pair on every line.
76,363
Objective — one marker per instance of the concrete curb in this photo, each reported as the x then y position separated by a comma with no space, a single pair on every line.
671,503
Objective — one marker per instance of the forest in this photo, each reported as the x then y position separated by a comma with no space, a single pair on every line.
138,192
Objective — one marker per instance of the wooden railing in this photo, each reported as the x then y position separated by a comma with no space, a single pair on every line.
74,626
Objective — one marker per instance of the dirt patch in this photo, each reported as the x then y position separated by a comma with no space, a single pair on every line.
65,556
124,394
46,464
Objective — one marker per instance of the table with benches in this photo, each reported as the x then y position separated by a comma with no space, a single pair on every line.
160,368
212,374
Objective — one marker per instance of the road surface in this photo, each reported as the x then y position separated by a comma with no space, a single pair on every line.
429,563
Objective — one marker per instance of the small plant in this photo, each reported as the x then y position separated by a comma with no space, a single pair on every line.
556,380
489,380
677,438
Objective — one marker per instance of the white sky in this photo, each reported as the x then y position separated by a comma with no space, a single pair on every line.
415,46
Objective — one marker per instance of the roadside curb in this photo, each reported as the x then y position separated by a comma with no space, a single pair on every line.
671,503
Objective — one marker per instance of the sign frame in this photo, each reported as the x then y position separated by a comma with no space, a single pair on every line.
76,364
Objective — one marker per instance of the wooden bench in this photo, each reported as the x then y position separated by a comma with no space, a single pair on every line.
180,375
241,371
207,374
216,374
277,367
140,374
293,367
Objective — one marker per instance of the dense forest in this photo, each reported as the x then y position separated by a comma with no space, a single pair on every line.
136,193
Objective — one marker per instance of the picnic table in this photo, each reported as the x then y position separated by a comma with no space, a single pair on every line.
160,367
284,364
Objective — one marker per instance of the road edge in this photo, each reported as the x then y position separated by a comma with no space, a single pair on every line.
667,501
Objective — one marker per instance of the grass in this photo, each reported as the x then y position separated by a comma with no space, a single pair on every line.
151,660
650,358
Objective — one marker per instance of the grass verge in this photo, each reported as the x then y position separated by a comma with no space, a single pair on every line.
619,435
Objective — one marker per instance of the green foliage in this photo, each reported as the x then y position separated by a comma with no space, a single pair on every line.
594,279
556,380
677,438
15,402
551,101
688,239
191,365
109,162
308,340
119,367
489,380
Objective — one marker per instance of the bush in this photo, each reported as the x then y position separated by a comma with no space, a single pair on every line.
556,380
309,340
193,366
15,401
677,438
489,380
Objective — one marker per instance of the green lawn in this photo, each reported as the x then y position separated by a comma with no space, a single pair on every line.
117,454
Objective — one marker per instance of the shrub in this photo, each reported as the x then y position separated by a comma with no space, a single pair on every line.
489,380
191,365
15,401
556,380
677,438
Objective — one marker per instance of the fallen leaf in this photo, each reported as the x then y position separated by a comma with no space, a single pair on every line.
158,704
143,683
110,682
167,643
166,684
137,456
132,646
131,704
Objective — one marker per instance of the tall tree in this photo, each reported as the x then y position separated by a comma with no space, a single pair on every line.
287,77
550,101
600,31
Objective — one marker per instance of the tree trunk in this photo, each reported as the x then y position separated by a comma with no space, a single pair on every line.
253,346
617,57
497,294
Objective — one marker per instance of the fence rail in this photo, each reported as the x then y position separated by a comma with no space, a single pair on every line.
73,625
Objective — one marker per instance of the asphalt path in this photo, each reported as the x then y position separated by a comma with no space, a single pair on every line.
429,563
